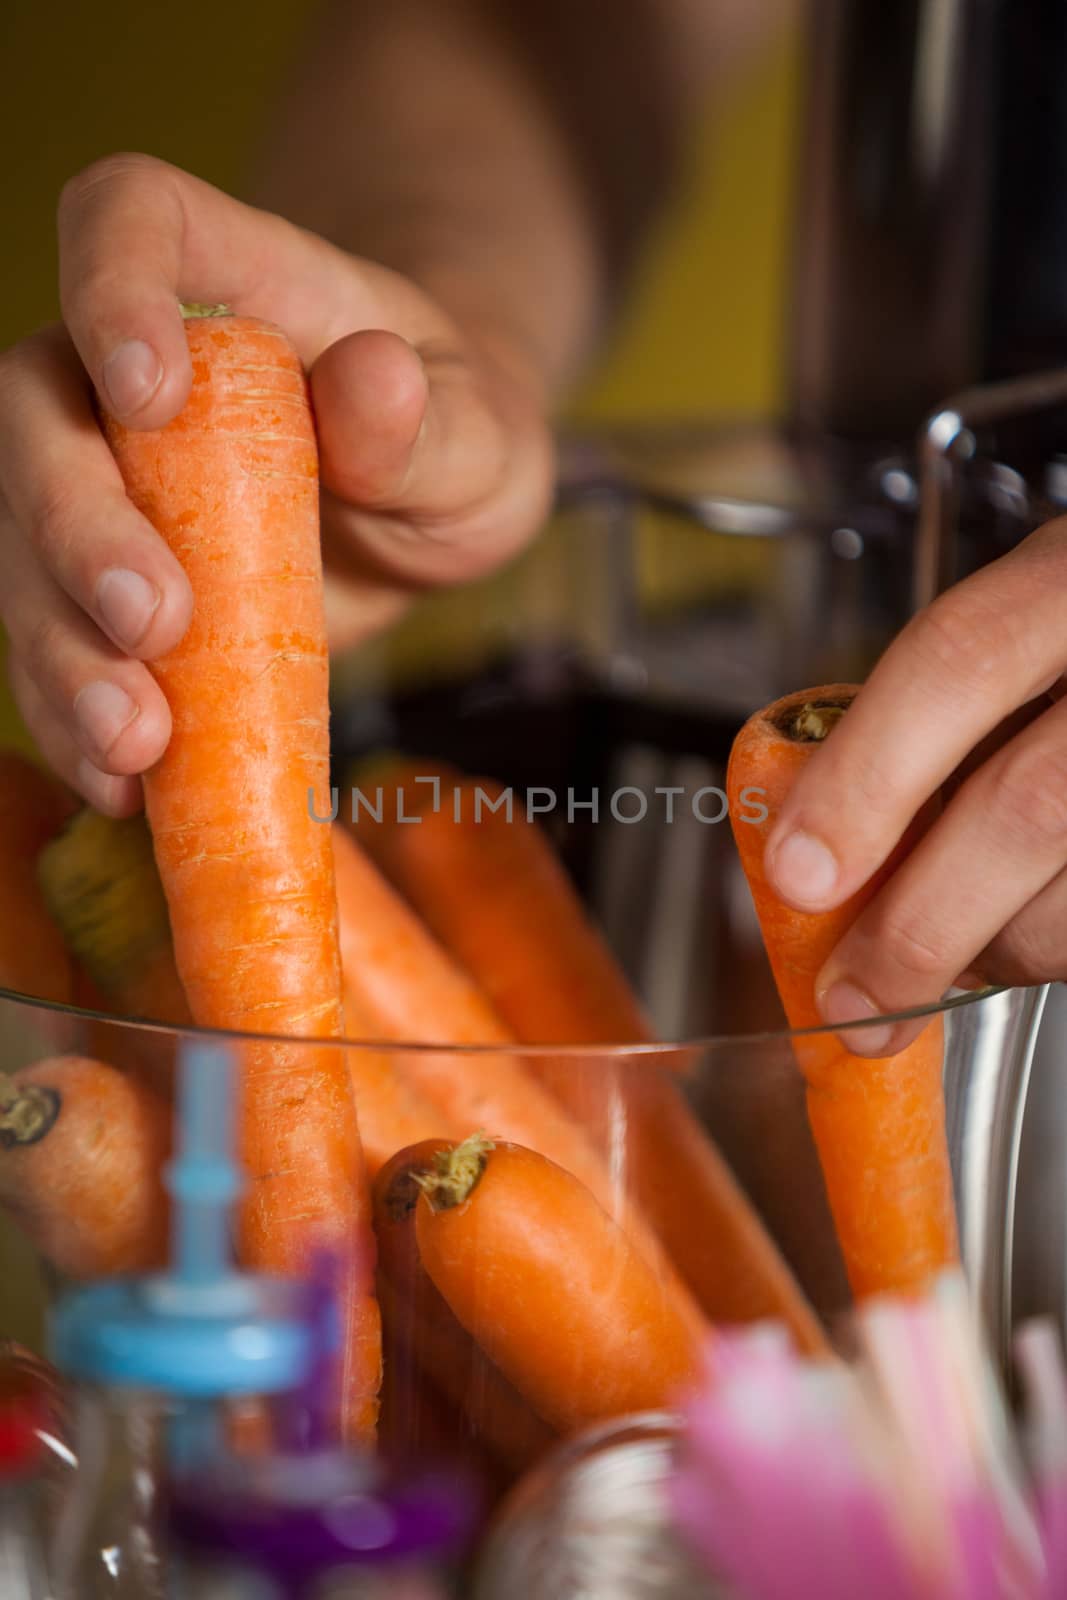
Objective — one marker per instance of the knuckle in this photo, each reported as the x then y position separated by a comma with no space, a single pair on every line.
53,524
41,649
968,643
1030,796
106,175
912,943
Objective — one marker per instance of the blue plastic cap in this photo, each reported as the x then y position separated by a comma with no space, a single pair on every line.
129,1335
202,1330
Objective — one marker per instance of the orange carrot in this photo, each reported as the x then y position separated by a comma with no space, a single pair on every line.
33,808
492,890
231,484
500,1419
392,1113
419,1427
550,1287
101,885
879,1126
409,989
82,1147
488,885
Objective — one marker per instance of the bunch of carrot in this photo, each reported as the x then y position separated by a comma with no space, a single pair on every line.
474,1193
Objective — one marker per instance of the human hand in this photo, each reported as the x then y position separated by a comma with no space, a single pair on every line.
965,703
436,459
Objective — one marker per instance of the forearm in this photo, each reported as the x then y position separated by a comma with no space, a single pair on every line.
505,156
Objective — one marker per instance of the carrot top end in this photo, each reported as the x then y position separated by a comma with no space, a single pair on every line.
811,722
455,1173
28,1113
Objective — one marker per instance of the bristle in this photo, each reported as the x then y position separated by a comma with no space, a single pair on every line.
900,1478
100,883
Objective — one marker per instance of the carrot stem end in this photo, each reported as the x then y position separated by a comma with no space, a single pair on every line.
28,1113
455,1173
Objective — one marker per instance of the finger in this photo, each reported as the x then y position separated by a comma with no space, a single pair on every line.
1032,948
441,478
991,644
116,797
64,492
997,846
110,706
137,235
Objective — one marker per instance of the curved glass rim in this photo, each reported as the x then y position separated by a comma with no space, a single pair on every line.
653,1049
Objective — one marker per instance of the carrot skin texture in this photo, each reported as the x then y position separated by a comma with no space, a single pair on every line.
879,1125
87,1191
517,925
232,486
392,1114
556,1295
33,808
409,989
499,1418
494,893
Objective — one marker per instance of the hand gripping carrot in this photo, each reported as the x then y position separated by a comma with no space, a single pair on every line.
492,890
33,808
231,484
550,1287
82,1148
422,1324
408,989
879,1126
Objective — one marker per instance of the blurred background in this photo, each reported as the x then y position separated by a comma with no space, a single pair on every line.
194,86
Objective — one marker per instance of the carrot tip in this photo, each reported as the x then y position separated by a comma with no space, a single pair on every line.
455,1173
28,1114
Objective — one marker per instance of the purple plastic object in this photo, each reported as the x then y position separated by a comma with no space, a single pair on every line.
312,1505
305,1421
370,1525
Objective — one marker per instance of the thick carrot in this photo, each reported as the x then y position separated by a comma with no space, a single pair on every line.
33,808
410,990
82,1147
879,1126
413,1308
398,976
550,1287
489,886
102,887
232,486
493,891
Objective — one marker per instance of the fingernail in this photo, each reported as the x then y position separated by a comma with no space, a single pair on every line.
126,603
804,870
843,1003
103,710
132,374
